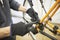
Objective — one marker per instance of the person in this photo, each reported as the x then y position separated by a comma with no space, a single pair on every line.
7,28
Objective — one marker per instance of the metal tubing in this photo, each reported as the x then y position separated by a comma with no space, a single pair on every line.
49,23
47,35
32,35
51,9
58,0
57,7
52,26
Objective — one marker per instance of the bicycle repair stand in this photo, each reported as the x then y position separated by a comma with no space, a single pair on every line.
31,4
50,13
55,7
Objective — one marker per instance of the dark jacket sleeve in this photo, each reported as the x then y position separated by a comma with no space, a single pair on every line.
13,4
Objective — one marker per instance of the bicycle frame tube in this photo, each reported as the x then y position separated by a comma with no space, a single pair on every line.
51,9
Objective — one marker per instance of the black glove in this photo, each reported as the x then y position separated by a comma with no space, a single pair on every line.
21,29
29,27
32,14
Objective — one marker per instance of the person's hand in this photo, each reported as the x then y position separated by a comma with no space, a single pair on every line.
31,28
18,29
22,29
32,14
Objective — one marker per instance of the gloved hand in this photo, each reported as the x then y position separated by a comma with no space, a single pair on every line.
21,29
32,14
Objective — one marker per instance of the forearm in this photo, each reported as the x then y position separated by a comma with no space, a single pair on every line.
4,32
16,6
22,8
